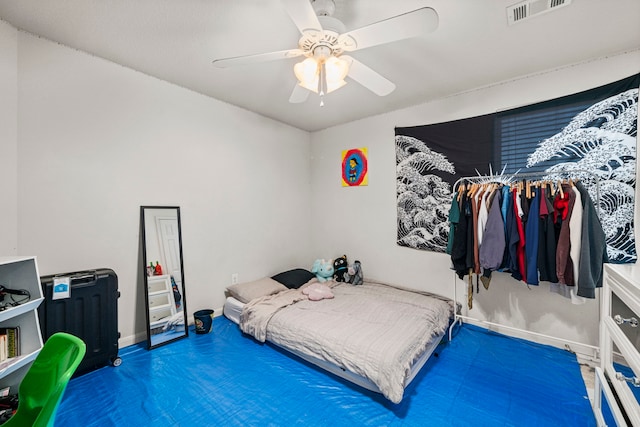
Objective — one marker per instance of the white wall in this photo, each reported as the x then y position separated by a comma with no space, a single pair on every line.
361,222
97,141
94,141
8,139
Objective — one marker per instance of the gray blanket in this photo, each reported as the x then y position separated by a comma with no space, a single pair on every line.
374,330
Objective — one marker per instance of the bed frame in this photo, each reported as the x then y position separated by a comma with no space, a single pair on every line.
233,308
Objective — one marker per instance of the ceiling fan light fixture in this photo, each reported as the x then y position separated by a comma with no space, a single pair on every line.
335,85
308,73
310,85
336,69
325,44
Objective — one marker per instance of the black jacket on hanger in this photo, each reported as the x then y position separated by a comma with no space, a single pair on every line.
460,248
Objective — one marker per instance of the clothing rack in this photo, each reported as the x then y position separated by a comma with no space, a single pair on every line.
591,183
574,174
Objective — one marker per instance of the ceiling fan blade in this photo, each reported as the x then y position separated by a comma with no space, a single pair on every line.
299,95
368,78
261,57
411,24
302,14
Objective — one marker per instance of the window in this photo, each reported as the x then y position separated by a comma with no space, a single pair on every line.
518,133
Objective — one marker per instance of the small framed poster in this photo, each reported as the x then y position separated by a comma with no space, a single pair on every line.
354,167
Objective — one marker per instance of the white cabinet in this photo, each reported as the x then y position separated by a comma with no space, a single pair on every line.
20,273
162,304
618,377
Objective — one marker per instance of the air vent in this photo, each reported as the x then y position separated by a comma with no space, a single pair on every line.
530,8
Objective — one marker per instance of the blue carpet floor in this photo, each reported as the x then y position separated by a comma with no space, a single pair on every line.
224,378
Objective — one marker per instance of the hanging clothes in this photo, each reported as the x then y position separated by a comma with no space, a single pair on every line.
476,202
530,232
483,215
471,233
507,216
521,271
575,233
493,242
547,239
505,206
459,246
564,265
524,203
575,237
514,237
454,218
533,239
593,248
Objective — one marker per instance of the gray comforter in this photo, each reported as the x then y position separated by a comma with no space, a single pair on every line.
374,330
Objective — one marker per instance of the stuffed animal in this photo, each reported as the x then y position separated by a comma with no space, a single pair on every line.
340,267
323,270
318,291
354,273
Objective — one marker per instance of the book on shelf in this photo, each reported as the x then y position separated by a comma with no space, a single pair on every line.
9,342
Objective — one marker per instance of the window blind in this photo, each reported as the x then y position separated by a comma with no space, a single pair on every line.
518,134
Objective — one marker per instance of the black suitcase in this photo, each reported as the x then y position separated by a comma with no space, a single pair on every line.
90,313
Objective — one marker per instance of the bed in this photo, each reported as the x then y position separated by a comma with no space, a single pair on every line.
375,335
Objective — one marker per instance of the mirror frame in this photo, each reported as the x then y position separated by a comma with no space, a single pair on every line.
150,342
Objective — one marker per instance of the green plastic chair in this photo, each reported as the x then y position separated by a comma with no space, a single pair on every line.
42,388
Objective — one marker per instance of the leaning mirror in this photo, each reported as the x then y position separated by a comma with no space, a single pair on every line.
163,274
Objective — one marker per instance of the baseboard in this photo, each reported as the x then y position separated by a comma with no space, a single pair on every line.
142,336
582,350
132,339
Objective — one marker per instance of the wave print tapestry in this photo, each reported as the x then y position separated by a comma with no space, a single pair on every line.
594,130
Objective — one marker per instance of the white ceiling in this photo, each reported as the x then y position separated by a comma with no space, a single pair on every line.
473,46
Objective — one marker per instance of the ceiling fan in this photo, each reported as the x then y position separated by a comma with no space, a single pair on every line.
324,43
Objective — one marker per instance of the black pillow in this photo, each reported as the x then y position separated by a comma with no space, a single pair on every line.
295,278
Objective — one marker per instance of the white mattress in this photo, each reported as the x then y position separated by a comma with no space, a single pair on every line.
233,308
